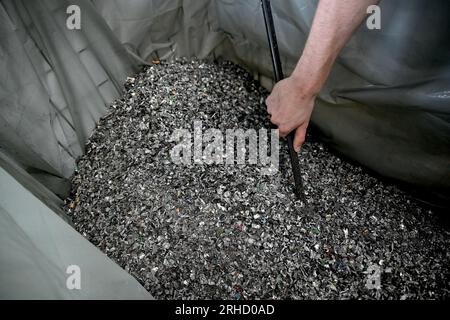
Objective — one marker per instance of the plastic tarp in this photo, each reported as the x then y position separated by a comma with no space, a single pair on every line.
386,104
39,249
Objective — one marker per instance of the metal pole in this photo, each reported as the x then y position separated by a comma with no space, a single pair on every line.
278,72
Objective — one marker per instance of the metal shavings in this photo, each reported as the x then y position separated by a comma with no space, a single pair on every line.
216,231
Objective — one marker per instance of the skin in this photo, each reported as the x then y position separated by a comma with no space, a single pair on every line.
291,102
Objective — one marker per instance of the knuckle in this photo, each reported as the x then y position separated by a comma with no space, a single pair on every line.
283,131
268,106
274,120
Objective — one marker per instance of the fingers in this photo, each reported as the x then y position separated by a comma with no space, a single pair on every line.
272,100
283,131
271,110
269,104
276,114
299,138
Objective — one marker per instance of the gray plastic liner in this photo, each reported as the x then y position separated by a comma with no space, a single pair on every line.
38,249
385,105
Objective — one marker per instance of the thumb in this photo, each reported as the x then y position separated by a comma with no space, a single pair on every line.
299,138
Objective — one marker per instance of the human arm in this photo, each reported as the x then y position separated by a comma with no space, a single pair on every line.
292,100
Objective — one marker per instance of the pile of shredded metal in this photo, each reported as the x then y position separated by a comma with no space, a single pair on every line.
227,231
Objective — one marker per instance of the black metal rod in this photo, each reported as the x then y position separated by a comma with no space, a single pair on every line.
278,72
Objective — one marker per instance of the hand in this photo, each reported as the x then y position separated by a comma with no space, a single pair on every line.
290,109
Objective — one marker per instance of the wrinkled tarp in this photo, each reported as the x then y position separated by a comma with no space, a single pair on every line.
386,104
38,247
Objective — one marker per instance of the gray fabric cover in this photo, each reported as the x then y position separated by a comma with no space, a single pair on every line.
37,247
386,104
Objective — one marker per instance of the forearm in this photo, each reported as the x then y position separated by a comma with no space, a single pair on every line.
334,23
